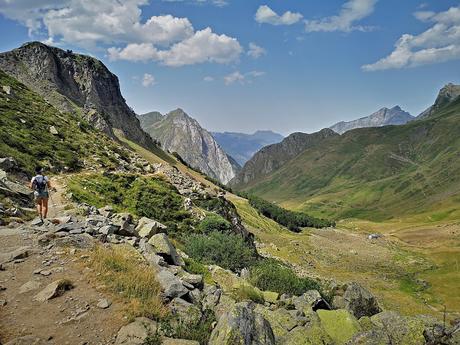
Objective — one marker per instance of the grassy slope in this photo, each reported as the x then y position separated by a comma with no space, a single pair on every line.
376,173
389,267
25,133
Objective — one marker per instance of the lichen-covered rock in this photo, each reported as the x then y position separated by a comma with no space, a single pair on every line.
137,332
400,329
340,325
171,341
281,321
310,335
372,337
184,311
164,247
270,296
310,299
359,301
241,325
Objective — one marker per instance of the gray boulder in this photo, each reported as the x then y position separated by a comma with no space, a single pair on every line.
147,227
55,289
242,326
171,285
310,299
137,332
8,164
164,247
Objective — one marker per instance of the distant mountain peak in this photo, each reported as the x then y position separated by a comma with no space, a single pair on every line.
179,132
383,117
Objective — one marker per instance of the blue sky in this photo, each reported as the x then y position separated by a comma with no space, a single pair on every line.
243,65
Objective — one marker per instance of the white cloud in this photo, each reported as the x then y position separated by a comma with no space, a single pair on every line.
256,51
439,43
218,3
148,80
208,79
171,40
424,15
238,77
203,46
351,12
265,15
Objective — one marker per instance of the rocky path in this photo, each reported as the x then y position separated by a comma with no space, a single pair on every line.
72,318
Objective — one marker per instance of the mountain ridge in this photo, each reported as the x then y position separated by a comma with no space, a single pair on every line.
77,84
382,117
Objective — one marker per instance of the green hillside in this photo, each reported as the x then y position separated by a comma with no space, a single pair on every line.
375,173
26,134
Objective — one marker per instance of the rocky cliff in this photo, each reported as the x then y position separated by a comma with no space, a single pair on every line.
242,146
447,94
180,133
77,84
272,157
382,117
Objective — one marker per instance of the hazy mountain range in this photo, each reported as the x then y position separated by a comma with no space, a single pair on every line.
243,146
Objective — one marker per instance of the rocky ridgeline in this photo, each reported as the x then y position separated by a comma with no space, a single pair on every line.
351,316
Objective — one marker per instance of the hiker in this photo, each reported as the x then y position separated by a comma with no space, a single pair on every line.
40,184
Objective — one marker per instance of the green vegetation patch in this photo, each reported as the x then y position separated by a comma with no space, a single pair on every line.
226,250
150,197
271,275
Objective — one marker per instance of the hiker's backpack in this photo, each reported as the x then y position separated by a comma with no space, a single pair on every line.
40,184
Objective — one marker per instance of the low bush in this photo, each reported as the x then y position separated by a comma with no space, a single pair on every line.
193,266
214,223
226,250
270,275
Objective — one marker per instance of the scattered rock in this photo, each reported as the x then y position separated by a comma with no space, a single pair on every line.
27,340
3,302
147,227
359,301
103,303
20,253
29,286
55,289
194,279
8,163
53,130
137,332
6,89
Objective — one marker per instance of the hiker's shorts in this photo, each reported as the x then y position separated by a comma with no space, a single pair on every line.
41,196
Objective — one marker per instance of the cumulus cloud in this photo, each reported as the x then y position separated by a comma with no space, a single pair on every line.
256,51
148,80
238,77
351,12
439,43
265,15
203,46
208,79
171,40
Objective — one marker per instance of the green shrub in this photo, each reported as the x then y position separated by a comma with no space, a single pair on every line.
226,250
195,267
270,275
247,292
290,219
214,223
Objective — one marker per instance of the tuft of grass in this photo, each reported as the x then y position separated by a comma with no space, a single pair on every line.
246,292
124,273
195,267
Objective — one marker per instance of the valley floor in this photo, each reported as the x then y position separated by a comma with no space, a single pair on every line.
412,268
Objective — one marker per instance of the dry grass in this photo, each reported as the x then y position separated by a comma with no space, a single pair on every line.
123,272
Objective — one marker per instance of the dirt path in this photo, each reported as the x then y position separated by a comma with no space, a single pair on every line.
72,318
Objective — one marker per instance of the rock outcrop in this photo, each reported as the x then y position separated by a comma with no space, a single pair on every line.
77,84
178,132
382,117
447,94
